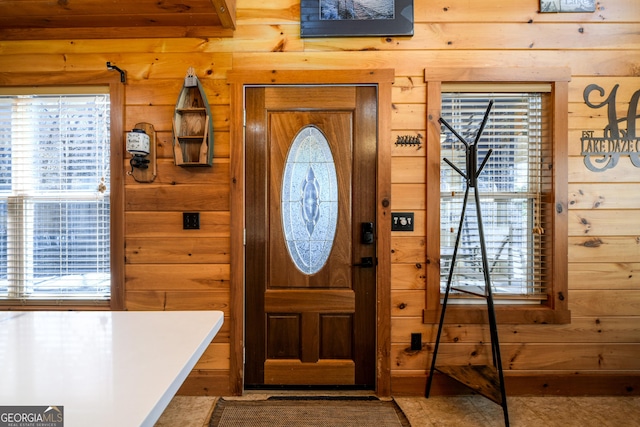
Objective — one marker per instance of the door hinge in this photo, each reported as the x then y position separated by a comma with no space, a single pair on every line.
244,237
244,118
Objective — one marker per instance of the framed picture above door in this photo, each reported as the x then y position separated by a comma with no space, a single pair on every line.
567,6
356,18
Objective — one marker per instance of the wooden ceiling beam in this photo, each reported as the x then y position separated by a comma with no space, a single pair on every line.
88,19
156,21
112,33
226,10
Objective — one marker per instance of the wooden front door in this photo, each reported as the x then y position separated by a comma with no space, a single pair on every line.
310,252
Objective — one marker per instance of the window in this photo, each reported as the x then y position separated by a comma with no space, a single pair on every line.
510,186
522,192
309,200
56,204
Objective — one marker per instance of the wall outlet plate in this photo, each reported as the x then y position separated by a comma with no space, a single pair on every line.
416,341
190,220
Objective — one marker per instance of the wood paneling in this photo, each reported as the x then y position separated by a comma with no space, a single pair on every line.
178,300
412,63
184,250
189,197
168,268
163,224
406,170
408,276
552,383
596,222
501,11
604,275
623,172
206,382
605,302
593,329
602,196
175,277
408,249
408,196
216,356
533,357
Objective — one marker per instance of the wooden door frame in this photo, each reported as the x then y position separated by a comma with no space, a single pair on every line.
238,79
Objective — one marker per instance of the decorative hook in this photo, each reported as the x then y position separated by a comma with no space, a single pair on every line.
123,74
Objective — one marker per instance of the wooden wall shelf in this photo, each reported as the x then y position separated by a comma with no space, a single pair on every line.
192,126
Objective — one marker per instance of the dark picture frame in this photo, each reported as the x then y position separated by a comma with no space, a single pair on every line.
567,6
354,18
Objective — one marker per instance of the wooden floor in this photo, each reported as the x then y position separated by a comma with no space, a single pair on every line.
461,411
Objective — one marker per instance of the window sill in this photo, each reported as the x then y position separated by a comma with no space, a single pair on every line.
54,305
505,314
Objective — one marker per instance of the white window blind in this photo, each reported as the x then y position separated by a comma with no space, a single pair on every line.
511,188
54,197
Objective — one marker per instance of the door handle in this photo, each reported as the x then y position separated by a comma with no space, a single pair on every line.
365,262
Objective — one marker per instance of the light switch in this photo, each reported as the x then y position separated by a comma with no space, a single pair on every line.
401,221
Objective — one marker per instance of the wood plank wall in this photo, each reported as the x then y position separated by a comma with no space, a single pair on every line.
168,268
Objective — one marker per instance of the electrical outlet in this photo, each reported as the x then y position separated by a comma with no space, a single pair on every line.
416,341
191,220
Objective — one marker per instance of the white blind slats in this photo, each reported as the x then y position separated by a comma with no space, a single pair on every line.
509,187
54,216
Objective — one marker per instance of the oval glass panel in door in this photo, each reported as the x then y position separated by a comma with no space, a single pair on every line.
309,200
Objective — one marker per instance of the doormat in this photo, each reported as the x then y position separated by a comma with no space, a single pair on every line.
309,411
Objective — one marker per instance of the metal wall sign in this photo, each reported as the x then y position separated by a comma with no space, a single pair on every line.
603,152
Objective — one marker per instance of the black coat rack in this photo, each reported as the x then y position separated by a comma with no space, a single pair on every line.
485,380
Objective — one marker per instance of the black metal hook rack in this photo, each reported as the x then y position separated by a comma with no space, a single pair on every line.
485,380
123,73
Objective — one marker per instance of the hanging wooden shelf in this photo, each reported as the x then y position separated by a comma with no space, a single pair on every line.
192,125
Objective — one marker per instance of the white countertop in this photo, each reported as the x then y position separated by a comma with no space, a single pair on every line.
106,368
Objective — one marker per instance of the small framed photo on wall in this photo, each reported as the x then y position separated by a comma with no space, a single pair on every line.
568,6
356,18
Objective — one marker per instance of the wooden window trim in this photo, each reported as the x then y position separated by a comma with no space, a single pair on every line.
555,308
117,97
